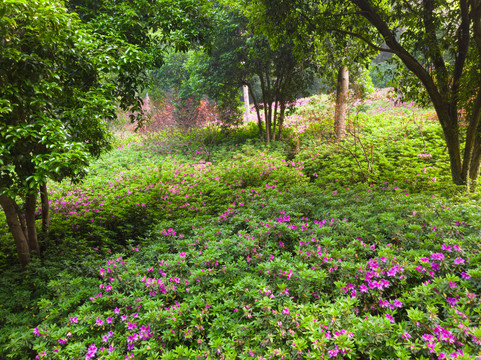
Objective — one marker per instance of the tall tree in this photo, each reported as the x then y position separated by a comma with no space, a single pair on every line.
439,44
61,79
303,23
53,107
274,77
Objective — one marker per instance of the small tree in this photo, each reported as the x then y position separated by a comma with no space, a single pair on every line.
241,57
53,108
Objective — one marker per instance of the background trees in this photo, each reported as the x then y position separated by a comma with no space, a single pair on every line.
440,44
436,41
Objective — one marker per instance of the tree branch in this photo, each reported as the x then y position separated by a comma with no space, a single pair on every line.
411,63
359,36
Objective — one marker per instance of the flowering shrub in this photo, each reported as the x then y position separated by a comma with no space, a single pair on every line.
165,255
266,280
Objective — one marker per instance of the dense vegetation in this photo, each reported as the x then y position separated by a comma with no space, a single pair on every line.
148,214
299,249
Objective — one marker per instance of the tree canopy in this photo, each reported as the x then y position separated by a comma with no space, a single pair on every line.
62,76
438,43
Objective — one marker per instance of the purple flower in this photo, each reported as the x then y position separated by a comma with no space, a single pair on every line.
437,256
458,261
131,326
465,276
36,331
92,350
452,301
285,311
389,317
397,303
333,352
99,322
428,337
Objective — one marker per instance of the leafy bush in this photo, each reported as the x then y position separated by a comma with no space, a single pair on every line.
161,254
376,273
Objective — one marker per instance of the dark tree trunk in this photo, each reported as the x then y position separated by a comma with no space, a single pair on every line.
23,250
475,160
281,120
451,136
340,115
30,207
45,210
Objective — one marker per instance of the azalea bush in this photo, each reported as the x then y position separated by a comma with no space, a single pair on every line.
403,146
265,279
167,251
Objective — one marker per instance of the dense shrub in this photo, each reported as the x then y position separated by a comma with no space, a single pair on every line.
174,250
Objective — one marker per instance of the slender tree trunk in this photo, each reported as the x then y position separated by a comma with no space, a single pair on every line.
256,105
475,160
265,100
340,115
15,227
21,218
274,122
30,207
246,103
281,120
45,210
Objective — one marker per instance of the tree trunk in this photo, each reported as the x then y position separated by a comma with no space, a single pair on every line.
281,120
341,103
475,161
256,105
15,227
449,123
30,207
246,103
45,210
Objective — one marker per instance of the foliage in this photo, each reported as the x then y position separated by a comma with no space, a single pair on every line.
47,86
356,271
243,257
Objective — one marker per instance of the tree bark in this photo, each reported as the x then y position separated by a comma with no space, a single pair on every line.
45,210
15,227
30,207
340,115
281,120
475,160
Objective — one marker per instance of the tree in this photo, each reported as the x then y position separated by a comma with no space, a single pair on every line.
303,23
147,29
61,79
53,108
437,41
241,57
